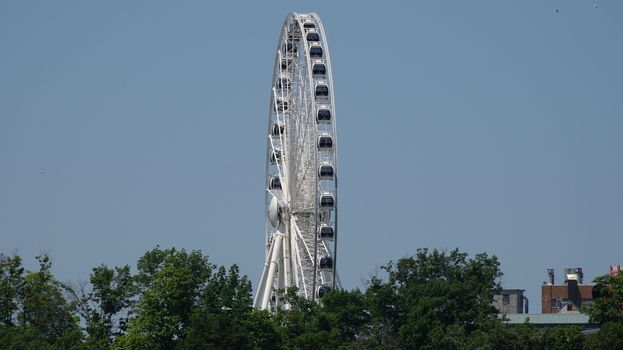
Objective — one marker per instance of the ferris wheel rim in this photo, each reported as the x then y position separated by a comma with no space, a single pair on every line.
286,178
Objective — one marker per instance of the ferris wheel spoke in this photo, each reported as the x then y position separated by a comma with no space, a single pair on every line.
303,239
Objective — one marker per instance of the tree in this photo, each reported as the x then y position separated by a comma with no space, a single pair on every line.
433,300
43,303
170,282
610,336
607,303
607,311
35,312
526,337
11,282
105,308
347,312
224,318
299,324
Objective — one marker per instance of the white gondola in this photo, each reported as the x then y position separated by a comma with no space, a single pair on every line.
325,142
275,156
326,263
283,83
323,115
326,232
315,51
325,171
278,129
327,201
321,291
274,183
319,69
312,36
281,105
321,90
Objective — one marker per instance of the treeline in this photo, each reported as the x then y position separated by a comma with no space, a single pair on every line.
180,300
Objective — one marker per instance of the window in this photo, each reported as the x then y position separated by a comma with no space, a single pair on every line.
506,299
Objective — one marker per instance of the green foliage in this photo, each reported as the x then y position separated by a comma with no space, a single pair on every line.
345,313
106,308
433,300
170,282
11,282
35,312
607,305
224,319
43,303
526,337
610,336
607,311
179,300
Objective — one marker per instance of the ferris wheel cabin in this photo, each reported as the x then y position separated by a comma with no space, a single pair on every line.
322,290
326,263
312,36
327,201
319,69
326,232
281,105
323,115
278,129
322,90
274,183
325,142
315,51
325,172
283,83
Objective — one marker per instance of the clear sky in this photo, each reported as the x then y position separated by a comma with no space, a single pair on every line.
491,126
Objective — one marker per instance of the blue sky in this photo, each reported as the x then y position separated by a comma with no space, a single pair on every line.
490,126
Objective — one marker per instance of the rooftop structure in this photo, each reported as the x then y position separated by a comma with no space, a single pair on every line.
551,320
569,296
510,301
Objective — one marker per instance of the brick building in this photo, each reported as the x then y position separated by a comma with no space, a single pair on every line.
569,296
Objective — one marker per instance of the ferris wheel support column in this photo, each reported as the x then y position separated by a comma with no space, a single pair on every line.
271,270
263,280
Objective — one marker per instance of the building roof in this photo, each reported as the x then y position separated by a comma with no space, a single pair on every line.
516,291
548,319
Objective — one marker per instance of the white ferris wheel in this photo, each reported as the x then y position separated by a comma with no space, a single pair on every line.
301,167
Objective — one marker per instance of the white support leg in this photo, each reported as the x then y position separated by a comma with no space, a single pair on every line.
260,288
275,257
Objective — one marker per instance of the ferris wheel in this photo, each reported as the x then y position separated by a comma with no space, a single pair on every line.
301,167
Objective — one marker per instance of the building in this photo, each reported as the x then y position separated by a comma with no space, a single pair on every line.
569,296
510,301
551,320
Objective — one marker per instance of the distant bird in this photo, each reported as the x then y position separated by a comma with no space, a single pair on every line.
556,11
42,172
595,6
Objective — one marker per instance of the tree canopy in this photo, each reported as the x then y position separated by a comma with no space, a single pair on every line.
176,299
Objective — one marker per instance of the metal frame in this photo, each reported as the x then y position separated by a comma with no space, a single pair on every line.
293,245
